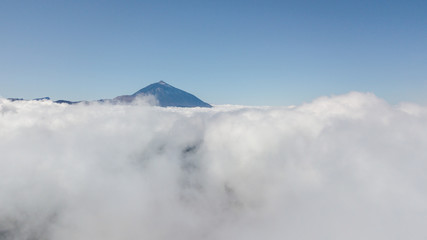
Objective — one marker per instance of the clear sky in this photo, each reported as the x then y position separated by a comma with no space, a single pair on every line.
236,52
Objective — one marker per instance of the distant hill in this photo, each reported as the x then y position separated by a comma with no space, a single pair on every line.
166,95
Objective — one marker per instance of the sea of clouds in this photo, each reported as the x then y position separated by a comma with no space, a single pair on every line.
342,167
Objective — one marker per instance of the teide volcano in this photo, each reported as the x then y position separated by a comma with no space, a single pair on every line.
166,95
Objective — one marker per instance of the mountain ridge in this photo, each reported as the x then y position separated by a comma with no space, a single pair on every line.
166,95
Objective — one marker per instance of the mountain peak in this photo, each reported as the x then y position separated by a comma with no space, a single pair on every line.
167,96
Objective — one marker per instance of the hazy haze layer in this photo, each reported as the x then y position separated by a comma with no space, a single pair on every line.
342,167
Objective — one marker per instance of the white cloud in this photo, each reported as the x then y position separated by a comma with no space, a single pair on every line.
341,167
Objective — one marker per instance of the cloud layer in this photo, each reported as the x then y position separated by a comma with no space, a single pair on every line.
342,167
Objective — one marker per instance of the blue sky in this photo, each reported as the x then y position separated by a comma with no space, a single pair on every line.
236,52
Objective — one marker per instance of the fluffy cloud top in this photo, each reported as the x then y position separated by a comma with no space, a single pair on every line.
343,167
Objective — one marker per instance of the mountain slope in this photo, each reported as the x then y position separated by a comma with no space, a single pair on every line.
166,95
